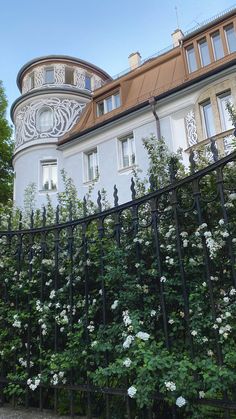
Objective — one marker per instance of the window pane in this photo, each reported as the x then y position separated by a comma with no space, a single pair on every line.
53,176
132,154
224,114
117,100
45,120
69,75
192,63
90,166
49,75
204,52
100,108
231,38
45,176
217,46
125,153
208,120
87,82
109,104
31,81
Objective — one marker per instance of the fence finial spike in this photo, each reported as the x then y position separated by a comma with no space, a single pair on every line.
132,188
115,194
99,201
214,150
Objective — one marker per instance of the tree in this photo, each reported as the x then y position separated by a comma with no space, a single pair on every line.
6,149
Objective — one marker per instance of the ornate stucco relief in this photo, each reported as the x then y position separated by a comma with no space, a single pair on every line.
191,128
66,113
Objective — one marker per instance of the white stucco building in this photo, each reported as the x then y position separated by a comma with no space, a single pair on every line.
72,115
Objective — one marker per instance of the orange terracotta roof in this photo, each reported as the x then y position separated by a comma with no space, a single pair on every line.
155,77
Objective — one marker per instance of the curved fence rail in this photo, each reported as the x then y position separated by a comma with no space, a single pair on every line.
79,298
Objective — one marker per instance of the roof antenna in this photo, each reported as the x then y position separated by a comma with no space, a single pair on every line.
177,16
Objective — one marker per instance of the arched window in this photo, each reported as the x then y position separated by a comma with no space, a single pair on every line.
45,119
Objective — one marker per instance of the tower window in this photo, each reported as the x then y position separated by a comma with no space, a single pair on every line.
45,119
88,82
69,75
49,75
49,175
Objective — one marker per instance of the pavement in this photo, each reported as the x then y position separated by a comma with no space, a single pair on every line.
19,413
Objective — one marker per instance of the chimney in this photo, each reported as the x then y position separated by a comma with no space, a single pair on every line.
134,60
177,35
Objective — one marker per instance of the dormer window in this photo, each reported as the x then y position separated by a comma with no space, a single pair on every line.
230,37
109,104
204,52
191,58
49,75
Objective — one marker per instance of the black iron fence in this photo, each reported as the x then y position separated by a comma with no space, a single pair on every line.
82,298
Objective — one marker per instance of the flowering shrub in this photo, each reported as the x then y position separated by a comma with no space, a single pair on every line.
141,298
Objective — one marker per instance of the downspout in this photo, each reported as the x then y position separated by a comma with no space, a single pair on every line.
152,103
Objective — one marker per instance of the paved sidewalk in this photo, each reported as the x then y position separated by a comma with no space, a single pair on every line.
18,413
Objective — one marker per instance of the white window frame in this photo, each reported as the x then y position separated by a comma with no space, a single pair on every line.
105,100
226,37
213,45
86,175
128,137
48,162
45,72
191,46
31,80
204,123
200,42
225,125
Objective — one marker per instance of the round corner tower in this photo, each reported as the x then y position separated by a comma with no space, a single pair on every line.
54,91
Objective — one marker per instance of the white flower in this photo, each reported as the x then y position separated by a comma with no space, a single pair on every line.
194,333
132,391
127,362
232,292
226,299
185,243
143,336
128,341
170,385
153,313
137,265
180,401
221,222
204,284
163,279
126,319
52,294
210,352
171,321
114,305
201,394
219,320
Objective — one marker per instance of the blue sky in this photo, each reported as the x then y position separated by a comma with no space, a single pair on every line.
103,32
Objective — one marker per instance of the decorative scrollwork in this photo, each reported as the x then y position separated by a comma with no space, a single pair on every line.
59,72
79,79
191,128
66,114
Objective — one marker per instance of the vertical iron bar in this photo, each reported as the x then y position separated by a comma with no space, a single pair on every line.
56,286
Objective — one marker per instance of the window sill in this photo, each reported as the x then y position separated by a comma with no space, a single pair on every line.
49,191
90,182
127,168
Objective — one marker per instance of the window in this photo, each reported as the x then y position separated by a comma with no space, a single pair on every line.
49,175
191,58
31,81
226,122
208,119
231,38
108,104
45,119
126,151
204,52
217,45
49,75
69,75
88,82
91,165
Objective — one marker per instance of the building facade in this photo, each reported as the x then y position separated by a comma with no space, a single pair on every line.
74,116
